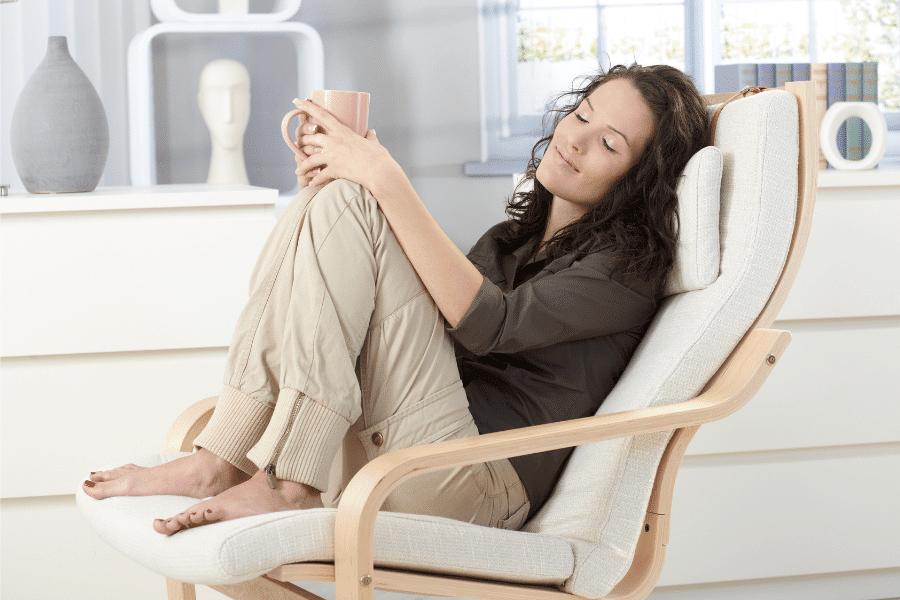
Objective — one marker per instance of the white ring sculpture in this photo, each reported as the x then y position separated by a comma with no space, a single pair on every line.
835,116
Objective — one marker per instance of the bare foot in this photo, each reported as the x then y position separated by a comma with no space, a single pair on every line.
200,475
253,497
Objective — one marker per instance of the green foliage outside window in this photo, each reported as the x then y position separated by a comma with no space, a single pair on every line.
872,34
554,44
761,40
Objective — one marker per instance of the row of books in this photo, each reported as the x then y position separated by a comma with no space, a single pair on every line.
835,82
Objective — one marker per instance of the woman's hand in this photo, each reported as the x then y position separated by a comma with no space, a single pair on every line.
334,151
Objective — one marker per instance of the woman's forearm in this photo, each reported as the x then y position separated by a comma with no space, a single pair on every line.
451,279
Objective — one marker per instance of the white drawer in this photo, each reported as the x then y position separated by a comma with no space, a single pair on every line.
837,384
125,280
784,515
850,268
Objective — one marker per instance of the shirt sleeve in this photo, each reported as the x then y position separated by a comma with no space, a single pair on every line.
575,303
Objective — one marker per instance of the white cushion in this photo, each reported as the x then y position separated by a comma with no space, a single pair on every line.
601,498
241,549
697,260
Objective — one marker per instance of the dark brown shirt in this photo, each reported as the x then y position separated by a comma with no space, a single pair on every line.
545,342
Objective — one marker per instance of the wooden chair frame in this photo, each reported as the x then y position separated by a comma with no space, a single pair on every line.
738,379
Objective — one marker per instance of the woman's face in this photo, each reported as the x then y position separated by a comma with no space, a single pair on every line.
593,146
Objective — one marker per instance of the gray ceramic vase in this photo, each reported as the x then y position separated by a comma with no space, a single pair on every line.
59,135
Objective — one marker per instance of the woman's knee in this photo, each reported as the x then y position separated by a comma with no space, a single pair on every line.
342,193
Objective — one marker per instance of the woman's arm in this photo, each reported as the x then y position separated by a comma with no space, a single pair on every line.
451,279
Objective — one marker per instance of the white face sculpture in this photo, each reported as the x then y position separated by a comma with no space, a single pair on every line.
224,100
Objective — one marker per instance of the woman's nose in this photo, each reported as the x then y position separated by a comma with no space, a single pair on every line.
577,141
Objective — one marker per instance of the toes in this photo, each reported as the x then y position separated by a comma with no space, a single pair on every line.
98,476
198,517
97,490
167,526
185,520
161,526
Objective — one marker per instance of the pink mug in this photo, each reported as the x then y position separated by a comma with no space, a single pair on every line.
350,108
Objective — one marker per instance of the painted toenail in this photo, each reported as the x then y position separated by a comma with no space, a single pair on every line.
89,483
94,472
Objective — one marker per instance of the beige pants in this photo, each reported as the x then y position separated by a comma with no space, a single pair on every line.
340,356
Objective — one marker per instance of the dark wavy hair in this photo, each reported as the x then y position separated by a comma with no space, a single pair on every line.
637,217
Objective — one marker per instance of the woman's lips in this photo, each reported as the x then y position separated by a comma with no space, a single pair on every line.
565,159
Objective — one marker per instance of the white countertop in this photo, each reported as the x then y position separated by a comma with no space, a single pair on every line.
884,175
130,197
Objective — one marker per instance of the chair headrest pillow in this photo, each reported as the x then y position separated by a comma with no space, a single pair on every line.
697,258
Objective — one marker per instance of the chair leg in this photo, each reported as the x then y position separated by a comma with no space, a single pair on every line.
180,591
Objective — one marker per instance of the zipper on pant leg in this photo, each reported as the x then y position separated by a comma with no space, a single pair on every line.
270,468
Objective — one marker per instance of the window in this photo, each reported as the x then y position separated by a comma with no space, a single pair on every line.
534,49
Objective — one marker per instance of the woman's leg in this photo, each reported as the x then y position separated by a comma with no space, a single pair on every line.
251,388
333,284
220,461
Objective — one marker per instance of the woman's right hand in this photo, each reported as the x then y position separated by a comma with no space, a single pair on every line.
302,182
305,128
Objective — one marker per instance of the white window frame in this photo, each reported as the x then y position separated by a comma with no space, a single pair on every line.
508,138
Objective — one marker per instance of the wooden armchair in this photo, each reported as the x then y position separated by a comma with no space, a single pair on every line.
604,531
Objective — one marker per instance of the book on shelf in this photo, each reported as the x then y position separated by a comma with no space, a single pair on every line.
834,82
765,74
734,78
837,91
869,94
854,125
783,74
801,72
819,77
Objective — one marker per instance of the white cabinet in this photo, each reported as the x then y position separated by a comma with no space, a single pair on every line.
117,312
798,482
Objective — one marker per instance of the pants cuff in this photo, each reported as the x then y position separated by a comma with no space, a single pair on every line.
235,427
312,437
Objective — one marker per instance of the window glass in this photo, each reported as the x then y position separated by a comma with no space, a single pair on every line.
648,35
555,47
560,41
765,31
863,31
816,31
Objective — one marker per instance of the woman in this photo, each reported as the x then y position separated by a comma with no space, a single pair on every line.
367,329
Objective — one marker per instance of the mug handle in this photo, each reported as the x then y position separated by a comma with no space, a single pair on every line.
285,132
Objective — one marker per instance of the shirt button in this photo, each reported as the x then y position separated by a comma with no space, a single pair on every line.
377,438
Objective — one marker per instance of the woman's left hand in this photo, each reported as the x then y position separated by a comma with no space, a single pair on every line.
339,153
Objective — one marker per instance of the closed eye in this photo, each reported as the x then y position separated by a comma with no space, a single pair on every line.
583,120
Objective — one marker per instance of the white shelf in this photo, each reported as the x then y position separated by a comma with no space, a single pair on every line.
142,124
139,197
168,10
885,175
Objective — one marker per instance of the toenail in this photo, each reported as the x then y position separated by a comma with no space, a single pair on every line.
94,472
89,483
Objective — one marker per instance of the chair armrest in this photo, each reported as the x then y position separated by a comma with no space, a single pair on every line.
188,425
735,383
